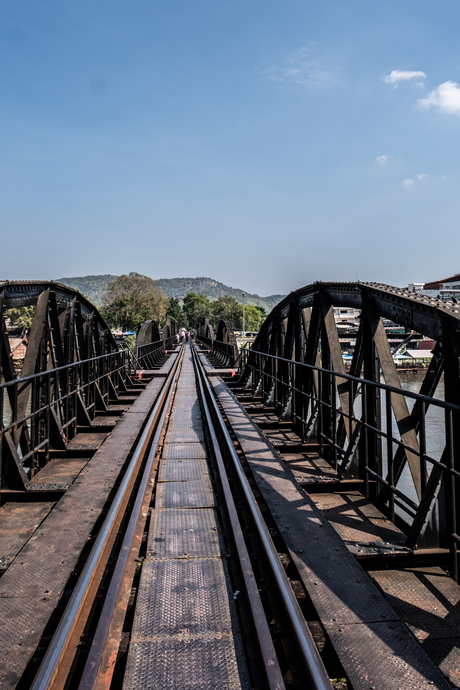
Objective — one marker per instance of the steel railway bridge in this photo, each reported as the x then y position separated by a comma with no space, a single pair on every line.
194,516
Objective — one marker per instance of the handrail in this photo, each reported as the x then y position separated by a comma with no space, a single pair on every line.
47,372
349,377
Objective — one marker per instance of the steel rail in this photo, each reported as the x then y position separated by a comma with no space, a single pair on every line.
313,664
272,670
91,673
52,661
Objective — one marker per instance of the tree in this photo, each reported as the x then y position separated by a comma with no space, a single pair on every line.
21,316
175,311
196,307
229,308
253,317
131,300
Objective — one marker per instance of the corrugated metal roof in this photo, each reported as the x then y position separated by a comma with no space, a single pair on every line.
419,354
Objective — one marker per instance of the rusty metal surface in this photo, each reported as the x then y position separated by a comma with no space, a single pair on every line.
182,469
190,494
310,468
18,522
206,662
87,441
361,525
184,534
183,432
107,420
445,653
31,587
184,450
281,436
426,599
59,472
169,592
384,656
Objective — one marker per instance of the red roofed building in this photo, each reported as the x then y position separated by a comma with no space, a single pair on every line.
452,283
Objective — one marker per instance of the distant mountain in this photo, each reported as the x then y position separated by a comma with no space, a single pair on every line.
179,287
95,288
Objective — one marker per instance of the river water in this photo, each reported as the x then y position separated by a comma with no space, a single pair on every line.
435,431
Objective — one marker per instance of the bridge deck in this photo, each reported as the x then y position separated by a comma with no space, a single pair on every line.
391,626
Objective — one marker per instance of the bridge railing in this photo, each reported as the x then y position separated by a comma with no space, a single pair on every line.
41,412
223,352
150,355
353,422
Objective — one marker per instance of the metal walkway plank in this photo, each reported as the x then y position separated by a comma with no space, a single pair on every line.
182,469
184,534
192,494
178,597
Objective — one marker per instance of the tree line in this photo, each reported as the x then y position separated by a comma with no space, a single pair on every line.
134,298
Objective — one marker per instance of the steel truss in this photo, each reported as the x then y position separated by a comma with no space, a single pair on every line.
222,343
296,365
72,371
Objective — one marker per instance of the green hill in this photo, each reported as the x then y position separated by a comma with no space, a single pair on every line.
95,288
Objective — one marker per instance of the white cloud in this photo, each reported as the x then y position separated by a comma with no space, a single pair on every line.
421,176
303,68
445,97
408,183
397,76
381,160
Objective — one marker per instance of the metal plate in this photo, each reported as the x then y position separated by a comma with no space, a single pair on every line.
87,441
182,470
384,656
361,525
60,472
184,534
185,662
182,431
446,655
18,521
194,494
426,599
184,450
184,597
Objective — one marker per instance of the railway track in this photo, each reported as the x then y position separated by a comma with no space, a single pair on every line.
201,572
96,642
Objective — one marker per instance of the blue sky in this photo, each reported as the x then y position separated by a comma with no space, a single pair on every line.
265,144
